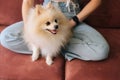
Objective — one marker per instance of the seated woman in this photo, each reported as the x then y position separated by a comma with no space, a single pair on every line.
86,43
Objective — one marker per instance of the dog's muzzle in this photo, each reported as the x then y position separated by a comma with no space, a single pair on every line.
54,31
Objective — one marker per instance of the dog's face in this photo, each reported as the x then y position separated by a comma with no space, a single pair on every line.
48,19
52,26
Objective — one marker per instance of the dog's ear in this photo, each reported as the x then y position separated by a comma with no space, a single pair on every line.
49,6
38,9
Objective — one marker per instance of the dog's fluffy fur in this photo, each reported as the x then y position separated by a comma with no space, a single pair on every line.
46,31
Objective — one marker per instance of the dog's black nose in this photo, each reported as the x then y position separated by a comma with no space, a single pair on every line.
56,26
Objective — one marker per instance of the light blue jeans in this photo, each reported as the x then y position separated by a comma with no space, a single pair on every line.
86,43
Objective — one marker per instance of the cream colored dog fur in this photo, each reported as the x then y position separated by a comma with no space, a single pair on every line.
46,32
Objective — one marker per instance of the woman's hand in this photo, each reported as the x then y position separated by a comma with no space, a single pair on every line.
72,23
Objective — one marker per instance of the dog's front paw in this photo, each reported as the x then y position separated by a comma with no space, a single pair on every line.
35,57
49,61
35,54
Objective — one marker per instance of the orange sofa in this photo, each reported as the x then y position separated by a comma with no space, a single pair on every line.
15,66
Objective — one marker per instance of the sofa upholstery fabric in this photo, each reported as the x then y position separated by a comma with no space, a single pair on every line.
10,11
15,66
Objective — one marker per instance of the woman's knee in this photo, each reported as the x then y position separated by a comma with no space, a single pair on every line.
11,34
2,39
101,54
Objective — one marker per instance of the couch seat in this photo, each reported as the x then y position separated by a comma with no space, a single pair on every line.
108,69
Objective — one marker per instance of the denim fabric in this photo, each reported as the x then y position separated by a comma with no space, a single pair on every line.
69,11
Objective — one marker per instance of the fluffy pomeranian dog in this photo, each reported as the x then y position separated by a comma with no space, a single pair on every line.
46,32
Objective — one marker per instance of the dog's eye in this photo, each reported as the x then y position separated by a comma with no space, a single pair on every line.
47,23
56,20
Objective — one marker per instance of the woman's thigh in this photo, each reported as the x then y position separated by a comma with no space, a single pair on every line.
11,38
87,44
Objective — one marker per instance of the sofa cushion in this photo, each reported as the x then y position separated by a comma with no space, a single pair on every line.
10,11
108,69
14,66
2,27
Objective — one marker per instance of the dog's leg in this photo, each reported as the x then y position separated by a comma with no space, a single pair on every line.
26,6
36,53
49,60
